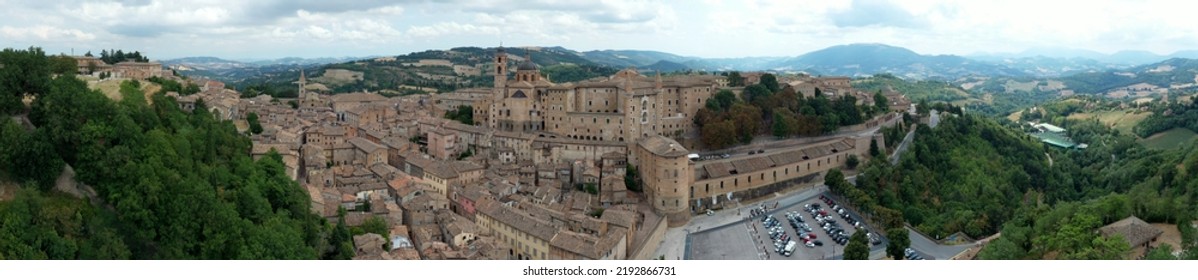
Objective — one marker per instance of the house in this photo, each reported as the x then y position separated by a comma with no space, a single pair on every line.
1138,234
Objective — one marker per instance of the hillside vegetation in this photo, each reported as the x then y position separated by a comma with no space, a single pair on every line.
980,176
171,185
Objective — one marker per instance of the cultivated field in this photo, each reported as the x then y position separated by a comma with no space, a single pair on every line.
1169,139
1120,120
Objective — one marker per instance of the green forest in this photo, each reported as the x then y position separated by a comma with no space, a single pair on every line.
980,176
1168,116
170,184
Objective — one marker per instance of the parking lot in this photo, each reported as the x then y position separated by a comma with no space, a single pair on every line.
761,237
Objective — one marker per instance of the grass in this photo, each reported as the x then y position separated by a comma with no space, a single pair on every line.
112,88
1013,86
1119,119
1169,139
1015,116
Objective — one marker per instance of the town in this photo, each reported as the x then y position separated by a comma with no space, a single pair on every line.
597,169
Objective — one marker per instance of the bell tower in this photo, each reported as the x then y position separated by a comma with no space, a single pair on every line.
500,68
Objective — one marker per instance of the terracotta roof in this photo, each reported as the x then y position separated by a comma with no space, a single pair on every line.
752,164
662,146
1135,231
537,228
621,218
358,97
366,145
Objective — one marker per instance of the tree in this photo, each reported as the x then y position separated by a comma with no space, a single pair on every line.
747,121
255,126
858,247
834,179
722,100
851,162
899,242
39,164
770,82
719,135
1164,252
24,72
735,80
632,178
785,123
873,148
463,114
759,96
591,188
63,65
881,102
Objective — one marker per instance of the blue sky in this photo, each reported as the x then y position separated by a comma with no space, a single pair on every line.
707,28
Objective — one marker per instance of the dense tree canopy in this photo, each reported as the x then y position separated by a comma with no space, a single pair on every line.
118,56
24,72
463,114
781,114
170,185
858,247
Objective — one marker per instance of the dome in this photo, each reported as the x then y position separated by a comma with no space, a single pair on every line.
526,65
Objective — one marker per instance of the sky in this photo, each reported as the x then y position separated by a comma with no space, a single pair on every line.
261,29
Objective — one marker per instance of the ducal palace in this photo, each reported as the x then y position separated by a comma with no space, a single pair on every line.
625,107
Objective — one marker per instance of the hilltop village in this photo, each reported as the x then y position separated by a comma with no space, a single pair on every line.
596,169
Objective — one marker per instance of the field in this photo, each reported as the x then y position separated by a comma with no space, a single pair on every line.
1169,139
1013,86
112,88
1120,120
1015,116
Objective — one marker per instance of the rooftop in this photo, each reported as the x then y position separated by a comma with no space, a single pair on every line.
662,146
1135,231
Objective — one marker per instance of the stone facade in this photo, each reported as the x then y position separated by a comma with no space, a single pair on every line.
622,108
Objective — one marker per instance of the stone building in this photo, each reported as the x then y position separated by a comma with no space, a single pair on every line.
624,107
666,172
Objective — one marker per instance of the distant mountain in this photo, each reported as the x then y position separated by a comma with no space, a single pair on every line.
1173,72
626,58
1063,61
870,59
203,63
1044,66
1134,57
307,61
208,63
666,66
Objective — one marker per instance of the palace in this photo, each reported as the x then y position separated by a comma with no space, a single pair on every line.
624,107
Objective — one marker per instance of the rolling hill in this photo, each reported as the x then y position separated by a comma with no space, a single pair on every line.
869,59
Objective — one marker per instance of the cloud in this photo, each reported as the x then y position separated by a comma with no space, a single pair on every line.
866,13
45,33
451,28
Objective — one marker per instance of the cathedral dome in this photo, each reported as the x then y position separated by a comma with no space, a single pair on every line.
526,65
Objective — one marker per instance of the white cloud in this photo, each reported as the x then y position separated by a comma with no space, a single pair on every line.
451,28
715,28
45,33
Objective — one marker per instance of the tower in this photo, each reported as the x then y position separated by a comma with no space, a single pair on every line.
303,81
500,69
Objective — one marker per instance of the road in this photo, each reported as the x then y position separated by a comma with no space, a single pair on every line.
931,250
902,147
933,121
